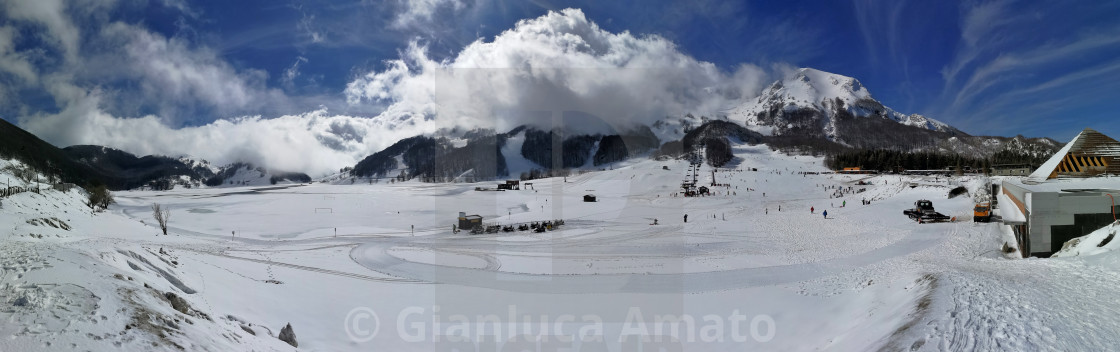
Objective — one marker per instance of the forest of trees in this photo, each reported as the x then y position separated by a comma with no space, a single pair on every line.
716,137
891,160
718,151
615,148
538,173
1011,157
289,176
671,149
611,149
483,155
573,151
378,164
437,160
720,129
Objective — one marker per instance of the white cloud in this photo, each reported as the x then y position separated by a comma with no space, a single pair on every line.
120,68
307,26
169,76
559,61
315,142
13,62
978,26
182,6
292,72
419,12
997,70
50,14
172,73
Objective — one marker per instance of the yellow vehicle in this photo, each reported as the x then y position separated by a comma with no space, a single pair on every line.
982,212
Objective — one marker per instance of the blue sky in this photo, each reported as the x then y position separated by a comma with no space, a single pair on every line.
986,67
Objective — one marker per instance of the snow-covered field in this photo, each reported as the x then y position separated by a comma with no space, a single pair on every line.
377,267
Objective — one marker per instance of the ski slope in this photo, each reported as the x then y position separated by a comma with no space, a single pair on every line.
739,274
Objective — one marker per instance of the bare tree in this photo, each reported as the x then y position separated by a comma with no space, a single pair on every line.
99,197
162,215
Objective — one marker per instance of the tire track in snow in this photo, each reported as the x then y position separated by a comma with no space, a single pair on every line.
314,269
995,304
1029,305
374,256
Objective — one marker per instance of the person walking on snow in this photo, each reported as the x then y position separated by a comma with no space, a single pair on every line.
685,217
825,214
845,204
812,210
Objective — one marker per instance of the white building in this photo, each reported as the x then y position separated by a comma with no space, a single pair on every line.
1070,195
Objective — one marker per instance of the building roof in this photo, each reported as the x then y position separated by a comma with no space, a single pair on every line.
1109,184
1088,143
1009,211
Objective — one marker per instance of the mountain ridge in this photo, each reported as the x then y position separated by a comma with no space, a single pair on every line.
810,112
812,96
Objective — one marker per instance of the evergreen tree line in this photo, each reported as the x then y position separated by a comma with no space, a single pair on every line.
575,150
891,160
718,151
437,160
1012,157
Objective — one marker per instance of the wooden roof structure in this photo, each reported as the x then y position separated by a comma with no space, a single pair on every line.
1090,154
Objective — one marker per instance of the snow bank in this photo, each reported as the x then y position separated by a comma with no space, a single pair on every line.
1097,242
71,279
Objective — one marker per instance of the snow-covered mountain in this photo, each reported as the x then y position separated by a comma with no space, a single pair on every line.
123,170
199,165
160,172
811,111
245,174
523,151
817,102
1018,147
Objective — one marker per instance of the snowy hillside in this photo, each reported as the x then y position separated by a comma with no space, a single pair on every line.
240,264
71,280
511,152
484,155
